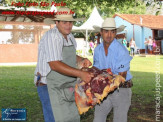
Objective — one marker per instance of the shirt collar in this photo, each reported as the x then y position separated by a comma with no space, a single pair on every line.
112,45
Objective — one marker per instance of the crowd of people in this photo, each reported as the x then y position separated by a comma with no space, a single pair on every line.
131,47
149,45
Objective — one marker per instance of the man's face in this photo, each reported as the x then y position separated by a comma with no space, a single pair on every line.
108,35
64,27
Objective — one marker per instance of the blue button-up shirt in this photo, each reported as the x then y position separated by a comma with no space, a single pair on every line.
118,58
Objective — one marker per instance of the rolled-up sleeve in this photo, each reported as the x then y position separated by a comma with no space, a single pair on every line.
53,48
123,62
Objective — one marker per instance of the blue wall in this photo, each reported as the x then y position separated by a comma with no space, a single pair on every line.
140,33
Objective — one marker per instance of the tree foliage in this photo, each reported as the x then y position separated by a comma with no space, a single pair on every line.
18,37
106,8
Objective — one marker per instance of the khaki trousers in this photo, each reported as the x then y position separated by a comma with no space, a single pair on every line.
120,101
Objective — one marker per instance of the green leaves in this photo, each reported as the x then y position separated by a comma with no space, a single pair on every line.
80,12
157,13
107,7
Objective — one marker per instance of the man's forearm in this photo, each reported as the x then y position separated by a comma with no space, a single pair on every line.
64,69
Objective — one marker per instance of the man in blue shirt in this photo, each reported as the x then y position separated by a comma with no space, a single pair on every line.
112,54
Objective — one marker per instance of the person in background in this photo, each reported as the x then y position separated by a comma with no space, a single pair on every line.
150,44
128,48
91,44
146,45
154,45
124,42
95,43
132,47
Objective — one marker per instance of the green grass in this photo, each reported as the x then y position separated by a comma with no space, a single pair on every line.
17,90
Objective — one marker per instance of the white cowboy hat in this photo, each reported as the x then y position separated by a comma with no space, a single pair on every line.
63,14
109,24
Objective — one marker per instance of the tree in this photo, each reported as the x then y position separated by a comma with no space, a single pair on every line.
154,7
107,8
14,36
22,36
83,8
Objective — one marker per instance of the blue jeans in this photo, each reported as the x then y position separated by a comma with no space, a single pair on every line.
46,105
132,50
146,49
150,47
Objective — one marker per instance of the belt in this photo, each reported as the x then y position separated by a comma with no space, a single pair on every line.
40,84
126,84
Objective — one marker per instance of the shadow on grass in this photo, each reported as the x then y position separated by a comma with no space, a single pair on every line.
17,90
